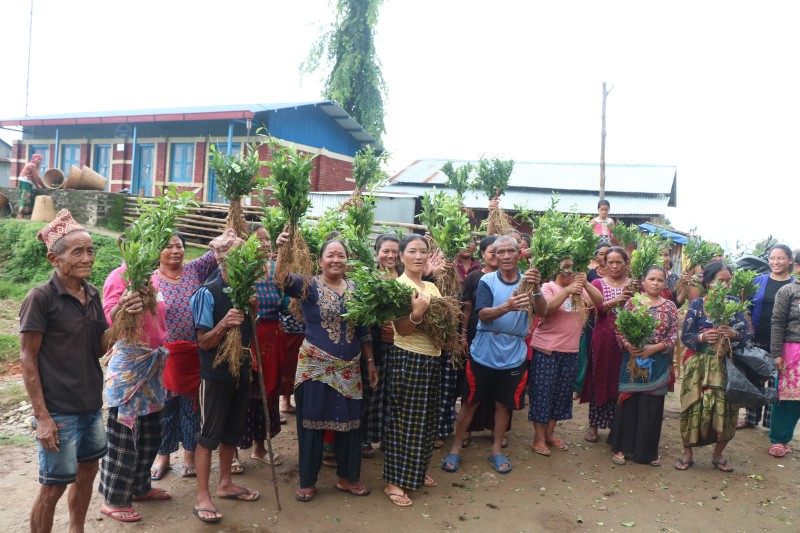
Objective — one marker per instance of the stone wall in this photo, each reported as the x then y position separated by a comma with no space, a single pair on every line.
94,208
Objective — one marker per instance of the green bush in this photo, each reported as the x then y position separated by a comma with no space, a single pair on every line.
9,350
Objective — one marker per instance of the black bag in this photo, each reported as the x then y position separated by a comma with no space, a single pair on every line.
739,391
759,363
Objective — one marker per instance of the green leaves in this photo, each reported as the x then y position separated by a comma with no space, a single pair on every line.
493,176
647,254
699,252
274,220
719,307
448,224
636,325
244,265
459,179
235,174
290,180
367,171
377,300
150,233
742,284
559,236
626,235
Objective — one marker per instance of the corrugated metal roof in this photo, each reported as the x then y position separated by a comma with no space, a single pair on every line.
389,207
586,202
652,179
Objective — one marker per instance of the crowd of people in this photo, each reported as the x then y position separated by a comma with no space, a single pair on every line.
553,341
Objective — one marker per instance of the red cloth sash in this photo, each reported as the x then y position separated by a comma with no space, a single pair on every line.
271,344
182,372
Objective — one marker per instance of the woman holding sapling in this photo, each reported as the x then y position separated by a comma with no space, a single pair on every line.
412,385
554,365
177,281
644,376
387,249
706,417
780,274
601,386
328,387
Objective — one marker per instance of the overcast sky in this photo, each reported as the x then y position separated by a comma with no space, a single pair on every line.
710,87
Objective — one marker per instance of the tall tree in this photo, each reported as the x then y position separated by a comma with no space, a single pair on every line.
355,80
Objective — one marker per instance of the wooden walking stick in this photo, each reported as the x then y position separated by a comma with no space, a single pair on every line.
266,410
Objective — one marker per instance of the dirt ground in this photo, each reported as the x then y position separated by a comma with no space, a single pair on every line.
573,491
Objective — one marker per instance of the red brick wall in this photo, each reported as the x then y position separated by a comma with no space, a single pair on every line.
199,162
85,154
333,174
18,151
161,162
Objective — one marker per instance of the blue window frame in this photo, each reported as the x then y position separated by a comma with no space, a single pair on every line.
70,155
182,163
44,151
101,163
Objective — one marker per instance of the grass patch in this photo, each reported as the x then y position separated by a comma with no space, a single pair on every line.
11,393
9,350
20,441
193,252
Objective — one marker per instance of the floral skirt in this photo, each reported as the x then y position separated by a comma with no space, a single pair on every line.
706,417
25,198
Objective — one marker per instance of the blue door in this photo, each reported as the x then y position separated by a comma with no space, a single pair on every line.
144,170
213,191
44,151
102,162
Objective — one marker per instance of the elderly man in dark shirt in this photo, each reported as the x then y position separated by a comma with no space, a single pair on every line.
63,333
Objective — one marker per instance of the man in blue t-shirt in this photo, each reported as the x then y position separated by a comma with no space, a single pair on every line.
497,369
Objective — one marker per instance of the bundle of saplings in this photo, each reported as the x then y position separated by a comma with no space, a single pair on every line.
720,310
637,325
235,175
492,178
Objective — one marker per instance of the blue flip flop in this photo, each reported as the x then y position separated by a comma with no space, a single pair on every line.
498,461
454,459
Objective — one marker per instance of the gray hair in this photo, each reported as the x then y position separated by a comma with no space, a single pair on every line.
506,238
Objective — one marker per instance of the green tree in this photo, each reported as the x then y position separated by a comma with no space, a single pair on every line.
355,81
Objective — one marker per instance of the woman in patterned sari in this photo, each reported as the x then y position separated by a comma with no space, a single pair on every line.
28,179
706,417
328,389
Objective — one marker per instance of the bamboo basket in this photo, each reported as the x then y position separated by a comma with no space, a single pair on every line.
54,179
91,180
73,178
5,203
43,209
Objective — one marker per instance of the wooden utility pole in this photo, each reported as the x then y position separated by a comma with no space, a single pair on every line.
603,146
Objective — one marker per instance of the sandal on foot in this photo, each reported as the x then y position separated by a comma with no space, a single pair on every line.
618,459
154,494
683,464
277,460
305,495
498,461
245,495
656,462
400,499
778,450
355,490
590,437
466,442
504,443
330,462
541,449
429,482
189,471
453,460
743,424
558,443
236,467
207,519
438,443
117,514
367,451
159,472
721,465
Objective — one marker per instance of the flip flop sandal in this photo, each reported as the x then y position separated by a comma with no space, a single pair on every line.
452,459
158,473
590,437
743,425
541,449
236,467
683,465
558,443
155,495
208,520
498,461
116,514
277,459
429,482
305,495
244,495
722,466
400,499
355,490
189,471
329,462
777,450
437,444
656,462
618,459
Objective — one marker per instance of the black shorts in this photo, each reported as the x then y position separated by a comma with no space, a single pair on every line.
506,387
222,409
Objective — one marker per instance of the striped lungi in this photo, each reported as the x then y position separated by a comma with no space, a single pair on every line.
411,418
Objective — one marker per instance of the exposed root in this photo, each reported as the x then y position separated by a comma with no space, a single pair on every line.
128,327
296,309
441,324
230,351
294,257
498,221
723,348
236,219
636,373
448,282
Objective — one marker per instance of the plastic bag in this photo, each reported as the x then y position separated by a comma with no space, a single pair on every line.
739,391
759,363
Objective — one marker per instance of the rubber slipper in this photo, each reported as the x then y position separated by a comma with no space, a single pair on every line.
116,514
207,519
438,443
367,451
722,466
355,490
656,462
305,495
590,437
154,494
743,425
189,471
683,465
158,473
244,495
558,443
618,459
453,460
277,459
400,499
329,462
429,482
498,461
777,450
541,449
236,467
